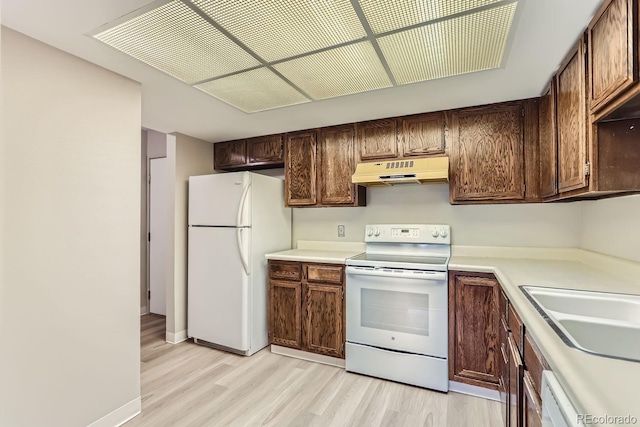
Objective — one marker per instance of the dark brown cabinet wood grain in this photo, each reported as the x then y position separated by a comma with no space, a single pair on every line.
572,121
377,140
230,155
322,319
612,51
531,403
474,325
300,169
421,135
516,371
487,153
285,306
306,307
336,165
548,143
263,152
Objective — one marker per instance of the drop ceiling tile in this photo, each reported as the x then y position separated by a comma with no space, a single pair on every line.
446,48
176,40
389,16
252,91
279,29
336,72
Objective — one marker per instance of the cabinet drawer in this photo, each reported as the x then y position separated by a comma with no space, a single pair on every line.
285,270
503,307
516,327
534,362
324,273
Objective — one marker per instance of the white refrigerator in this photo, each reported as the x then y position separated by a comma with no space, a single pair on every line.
234,220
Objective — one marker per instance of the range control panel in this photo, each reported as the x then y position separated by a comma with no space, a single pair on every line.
408,233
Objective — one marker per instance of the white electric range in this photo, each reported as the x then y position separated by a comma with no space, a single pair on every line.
397,305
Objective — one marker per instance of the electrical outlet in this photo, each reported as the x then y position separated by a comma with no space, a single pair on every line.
341,231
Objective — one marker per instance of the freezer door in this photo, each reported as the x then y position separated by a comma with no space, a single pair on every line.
220,200
218,286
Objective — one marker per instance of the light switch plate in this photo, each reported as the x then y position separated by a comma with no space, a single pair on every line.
341,231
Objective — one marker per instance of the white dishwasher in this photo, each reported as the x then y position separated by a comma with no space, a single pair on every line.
557,409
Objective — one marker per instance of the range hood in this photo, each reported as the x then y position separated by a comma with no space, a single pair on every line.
406,171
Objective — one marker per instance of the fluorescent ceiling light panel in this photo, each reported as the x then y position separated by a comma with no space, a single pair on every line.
254,90
176,40
389,16
345,70
279,29
450,47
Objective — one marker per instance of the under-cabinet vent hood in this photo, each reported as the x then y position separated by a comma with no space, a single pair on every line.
405,171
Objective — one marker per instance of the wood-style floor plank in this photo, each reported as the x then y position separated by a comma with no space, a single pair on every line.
190,385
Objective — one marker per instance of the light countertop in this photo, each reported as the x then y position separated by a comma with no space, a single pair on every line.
596,385
325,252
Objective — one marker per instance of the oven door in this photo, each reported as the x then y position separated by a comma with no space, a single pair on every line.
397,309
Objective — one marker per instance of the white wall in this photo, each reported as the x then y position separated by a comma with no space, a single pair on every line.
539,225
190,156
71,200
612,226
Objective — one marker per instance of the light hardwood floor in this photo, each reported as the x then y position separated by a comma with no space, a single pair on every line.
191,385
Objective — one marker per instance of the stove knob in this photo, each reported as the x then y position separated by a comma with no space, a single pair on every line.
435,233
377,232
370,232
443,232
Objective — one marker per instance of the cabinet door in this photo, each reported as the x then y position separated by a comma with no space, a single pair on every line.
612,43
230,155
285,304
572,122
515,384
323,319
421,135
266,150
474,352
487,161
336,165
300,169
377,140
531,404
548,143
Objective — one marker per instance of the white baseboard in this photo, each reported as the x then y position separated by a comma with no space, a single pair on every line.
473,390
305,355
175,338
143,310
120,415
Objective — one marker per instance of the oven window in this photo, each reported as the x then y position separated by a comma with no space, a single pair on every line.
395,311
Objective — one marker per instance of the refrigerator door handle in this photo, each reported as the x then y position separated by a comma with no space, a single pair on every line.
243,258
243,199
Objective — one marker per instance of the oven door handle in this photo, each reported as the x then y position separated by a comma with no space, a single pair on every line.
439,276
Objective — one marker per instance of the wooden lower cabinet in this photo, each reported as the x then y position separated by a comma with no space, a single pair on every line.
285,306
306,311
322,319
516,369
474,324
531,403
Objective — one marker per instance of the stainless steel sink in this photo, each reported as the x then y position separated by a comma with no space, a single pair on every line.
602,323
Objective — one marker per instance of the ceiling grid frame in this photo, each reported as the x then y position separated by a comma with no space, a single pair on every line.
370,36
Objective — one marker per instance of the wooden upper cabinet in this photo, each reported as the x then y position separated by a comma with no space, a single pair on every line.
265,150
613,58
285,307
323,319
548,143
377,140
487,153
572,121
421,135
474,326
300,169
336,165
230,155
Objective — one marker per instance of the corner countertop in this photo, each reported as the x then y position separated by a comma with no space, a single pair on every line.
324,252
596,385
